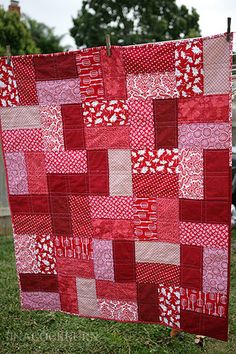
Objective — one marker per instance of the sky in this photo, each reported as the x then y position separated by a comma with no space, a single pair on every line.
59,13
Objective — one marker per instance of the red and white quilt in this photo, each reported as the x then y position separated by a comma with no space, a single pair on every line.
118,172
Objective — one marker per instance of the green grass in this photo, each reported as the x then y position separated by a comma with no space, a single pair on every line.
40,332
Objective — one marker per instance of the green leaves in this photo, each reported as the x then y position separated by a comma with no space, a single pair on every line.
26,36
131,22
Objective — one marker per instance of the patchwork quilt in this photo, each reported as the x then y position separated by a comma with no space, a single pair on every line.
118,172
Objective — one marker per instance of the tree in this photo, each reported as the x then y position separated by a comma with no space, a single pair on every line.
133,21
14,32
26,35
44,37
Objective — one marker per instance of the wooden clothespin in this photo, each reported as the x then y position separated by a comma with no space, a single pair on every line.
108,45
8,54
228,28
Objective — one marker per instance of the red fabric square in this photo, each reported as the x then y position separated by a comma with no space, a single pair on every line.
39,282
113,74
75,267
191,256
74,139
31,224
155,184
218,212
166,137
66,66
148,312
147,293
191,277
222,192
40,204
25,77
57,184
98,184
216,161
20,204
68,293
156,273
45,68
123,251
190,321
124,272
116,291
216,327
165,112
61,225
191,210
97,161
72,116
78,184
149,58
59,204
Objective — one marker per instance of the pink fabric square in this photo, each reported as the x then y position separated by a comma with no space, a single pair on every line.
103,259
204,135
215,270
58,92
217,71
111,207
207,235
41,301
52,128
22,140
141,118
148,86
66,162
118,310
191,176
25,251
16,173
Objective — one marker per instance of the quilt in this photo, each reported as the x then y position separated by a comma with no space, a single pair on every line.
118,173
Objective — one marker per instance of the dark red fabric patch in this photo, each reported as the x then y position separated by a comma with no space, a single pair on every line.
57,67
68,293
165,123
38,282
122,291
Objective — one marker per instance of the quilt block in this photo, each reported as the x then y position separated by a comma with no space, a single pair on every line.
118,172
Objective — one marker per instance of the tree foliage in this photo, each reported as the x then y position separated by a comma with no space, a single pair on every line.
133,21
44,37
26,35
14,32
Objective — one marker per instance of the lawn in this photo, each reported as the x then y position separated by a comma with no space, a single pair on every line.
38,332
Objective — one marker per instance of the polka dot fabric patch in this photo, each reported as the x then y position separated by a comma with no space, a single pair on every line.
119,175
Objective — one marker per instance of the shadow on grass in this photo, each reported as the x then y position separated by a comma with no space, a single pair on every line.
40,332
